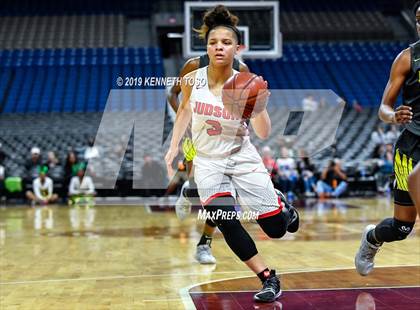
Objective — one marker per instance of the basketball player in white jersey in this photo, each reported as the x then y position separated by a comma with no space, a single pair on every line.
227,166
189,192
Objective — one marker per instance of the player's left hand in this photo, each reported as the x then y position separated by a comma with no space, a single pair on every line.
263,97
169,158
403,115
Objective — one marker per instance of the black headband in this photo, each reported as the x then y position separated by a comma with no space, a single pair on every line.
233,28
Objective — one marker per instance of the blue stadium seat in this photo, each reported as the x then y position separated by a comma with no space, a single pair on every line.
71,80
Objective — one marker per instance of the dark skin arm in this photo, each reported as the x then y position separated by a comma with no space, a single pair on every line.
339,173
324,173
191,65
399,72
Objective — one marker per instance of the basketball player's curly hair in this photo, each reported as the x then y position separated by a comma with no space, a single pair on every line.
218,16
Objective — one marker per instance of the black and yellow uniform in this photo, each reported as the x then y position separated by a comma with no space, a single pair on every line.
407,148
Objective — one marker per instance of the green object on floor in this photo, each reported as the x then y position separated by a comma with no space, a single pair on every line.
13,184
82,200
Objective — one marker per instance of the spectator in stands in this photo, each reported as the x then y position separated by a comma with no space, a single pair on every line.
33,164
2,154
385,167
378,136
306,171
333,181
309,103
178,179
52,160
378,139
153,177
81,188
54,169
42,189
356,106
392,135
70,170
270,163
287,174
91,150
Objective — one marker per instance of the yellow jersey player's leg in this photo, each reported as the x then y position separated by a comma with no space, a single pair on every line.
404,76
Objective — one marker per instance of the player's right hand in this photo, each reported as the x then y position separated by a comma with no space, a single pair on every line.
169,158
403,115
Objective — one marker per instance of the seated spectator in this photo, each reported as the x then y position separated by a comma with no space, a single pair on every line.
306,170
178,179
378,136
70,170
154,178
392,135
91,151
269,162
309,103
42,187
378,139
385,168
333,181
287,174
2,154
81,188
52,160
356,106
54,168
33,165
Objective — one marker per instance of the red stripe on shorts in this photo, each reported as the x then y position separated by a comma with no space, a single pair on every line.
268,214
280,203
274,212
212,197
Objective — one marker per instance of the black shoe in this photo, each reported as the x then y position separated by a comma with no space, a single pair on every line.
271,289
294,214
294,219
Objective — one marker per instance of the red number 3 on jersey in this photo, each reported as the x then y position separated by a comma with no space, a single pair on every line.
216,128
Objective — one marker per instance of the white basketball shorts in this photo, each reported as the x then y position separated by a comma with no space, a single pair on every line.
241,175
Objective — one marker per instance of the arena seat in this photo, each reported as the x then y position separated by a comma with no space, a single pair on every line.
70,80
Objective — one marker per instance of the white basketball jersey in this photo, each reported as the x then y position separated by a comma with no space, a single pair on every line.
213,127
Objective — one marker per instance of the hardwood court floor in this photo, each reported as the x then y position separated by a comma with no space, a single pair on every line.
132,257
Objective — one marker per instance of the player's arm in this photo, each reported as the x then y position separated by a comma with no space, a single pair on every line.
73,190
324,173
399,71
261,122
189,66
50,189
340,173
183,118
37,189
90,186
262,125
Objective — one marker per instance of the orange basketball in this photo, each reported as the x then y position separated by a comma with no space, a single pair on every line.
243,95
